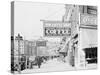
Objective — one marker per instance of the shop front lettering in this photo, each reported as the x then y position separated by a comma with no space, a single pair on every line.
57,31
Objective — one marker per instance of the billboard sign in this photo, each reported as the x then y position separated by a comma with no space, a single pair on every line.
57,29
88,19
40,43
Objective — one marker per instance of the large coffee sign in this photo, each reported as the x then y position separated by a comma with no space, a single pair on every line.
57,29
88,19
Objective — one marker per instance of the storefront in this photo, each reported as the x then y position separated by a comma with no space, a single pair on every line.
88,38
91,55
88,43
83,42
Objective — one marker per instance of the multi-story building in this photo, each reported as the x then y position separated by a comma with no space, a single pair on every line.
18,46
24,47
18,49
72,16
24,51
88,33
41,47
83,39
32,48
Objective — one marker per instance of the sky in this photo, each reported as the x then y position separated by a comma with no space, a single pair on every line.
27,16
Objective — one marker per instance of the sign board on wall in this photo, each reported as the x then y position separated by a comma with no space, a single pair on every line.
88,19
41,43
57,29
42,51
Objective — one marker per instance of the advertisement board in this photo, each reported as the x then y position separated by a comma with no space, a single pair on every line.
40,43
57,29
88,19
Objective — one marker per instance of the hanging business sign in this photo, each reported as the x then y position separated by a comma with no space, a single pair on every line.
88,19
57,29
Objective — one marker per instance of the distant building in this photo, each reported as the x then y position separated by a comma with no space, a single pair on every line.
41,45
26,47
24,50
18,45
32,48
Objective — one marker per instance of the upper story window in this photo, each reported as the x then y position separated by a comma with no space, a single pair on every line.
92,10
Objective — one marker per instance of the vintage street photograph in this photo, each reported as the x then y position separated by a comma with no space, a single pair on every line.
50,37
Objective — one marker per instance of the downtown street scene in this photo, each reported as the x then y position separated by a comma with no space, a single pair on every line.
49,37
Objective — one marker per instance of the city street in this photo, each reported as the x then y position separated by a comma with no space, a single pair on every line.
53,44
50,65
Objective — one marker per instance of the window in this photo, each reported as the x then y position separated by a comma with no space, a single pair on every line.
92,10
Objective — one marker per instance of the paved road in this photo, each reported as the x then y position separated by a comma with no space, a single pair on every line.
51,65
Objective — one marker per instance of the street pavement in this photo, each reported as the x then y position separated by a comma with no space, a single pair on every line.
55,65
51,65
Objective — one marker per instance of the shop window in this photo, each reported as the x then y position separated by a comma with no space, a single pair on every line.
91,54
